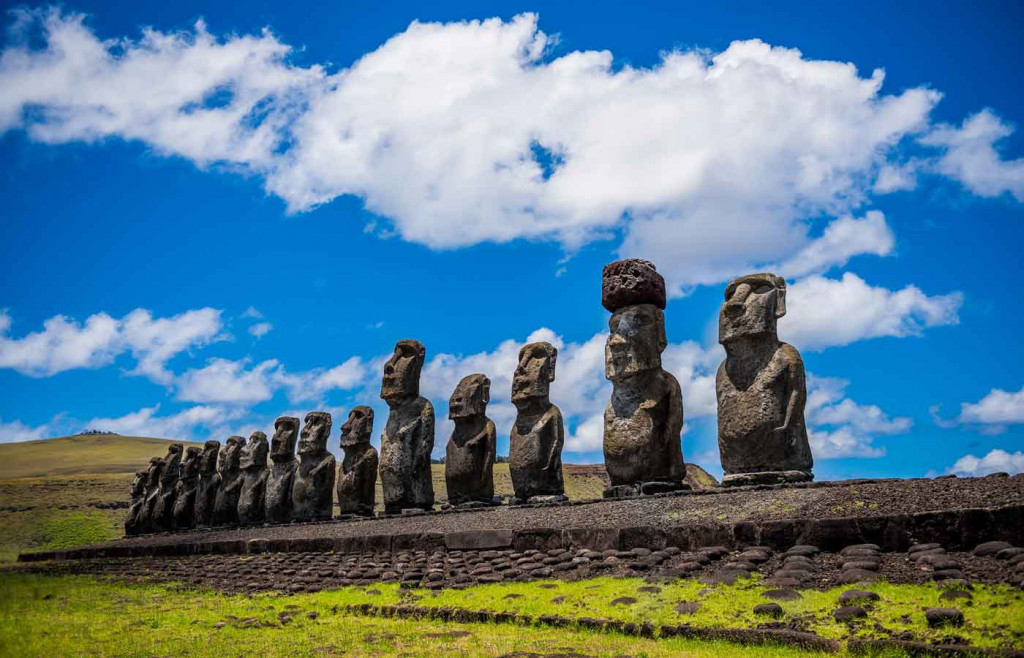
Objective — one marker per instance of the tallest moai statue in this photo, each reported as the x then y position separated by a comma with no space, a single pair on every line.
644,418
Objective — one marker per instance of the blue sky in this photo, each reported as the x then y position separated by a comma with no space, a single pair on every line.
215,216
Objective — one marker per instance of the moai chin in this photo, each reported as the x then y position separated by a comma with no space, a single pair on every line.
761,388
131,521
357,475
209,483
535,448
252,496
225,506
163,511
278,505
185,490
644,418
313,485
156,467
469,455
408,437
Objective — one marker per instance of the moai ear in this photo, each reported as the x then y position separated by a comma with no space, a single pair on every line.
552,359
780,296
662,337
485,394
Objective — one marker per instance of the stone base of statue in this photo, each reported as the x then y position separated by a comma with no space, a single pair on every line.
546,500
765,477
644,489
472,504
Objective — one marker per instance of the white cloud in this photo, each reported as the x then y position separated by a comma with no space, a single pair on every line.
474,131
842,239
830,312
15,430
252,313
839,427
971,157
996,461
182,425
260,329
997,408
894,177
154,342
234,382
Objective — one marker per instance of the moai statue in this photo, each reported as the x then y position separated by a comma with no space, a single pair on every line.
469,456
408,437
163,511
225,506
313,486
644,418
357,476
278,504
156,467
535,449
761,388
209,483
185,490
131,522
252,497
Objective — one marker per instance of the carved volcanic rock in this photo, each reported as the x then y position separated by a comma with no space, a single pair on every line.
535,447
225,506
209,483
278,503
630,282
313,485
252,496
408,437
185,490
469,460
357,477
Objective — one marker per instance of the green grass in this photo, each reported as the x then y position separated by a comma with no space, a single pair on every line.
80,455
81,616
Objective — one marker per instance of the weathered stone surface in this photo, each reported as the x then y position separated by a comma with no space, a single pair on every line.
761,388
849,613
538,434
630,282
162,518
252,496
938,617
768,609
225,506
134,517
313,486
278,503
209,483
156,467
644,418
469,455
357,476
185,490
408,437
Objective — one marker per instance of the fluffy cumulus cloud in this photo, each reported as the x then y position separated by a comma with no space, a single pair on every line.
996,461
825,312
476,131
840,427
184,424
66,344
996,410
15,430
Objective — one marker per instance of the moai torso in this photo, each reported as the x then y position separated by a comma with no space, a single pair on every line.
357,477
760,388
225,505
408,437
313,485
281,476
185,490
535,448
131,521
252,496
469,455
163,509
209,483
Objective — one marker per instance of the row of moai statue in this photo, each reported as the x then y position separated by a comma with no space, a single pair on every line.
761,433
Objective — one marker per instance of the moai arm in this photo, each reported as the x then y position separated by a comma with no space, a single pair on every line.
425,433
328,463
489,437
234,485
795,386
554,421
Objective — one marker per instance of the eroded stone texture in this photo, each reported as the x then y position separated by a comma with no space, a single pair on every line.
469,455
313,486
535,448
760,387
278,504
644,418
209,483
408,437
252,496
225,506
131,521
185,490
156,467
163,510
357,476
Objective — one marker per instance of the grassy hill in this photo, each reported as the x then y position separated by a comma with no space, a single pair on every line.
90,454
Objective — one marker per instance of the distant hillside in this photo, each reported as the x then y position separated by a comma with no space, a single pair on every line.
79,455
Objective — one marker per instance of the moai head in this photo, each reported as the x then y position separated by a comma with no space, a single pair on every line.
535,372
139,483
753,305
635,342
209,461
231,456
358,427
190,464
402,371
470,397
316,429
156,469
286,431
254,454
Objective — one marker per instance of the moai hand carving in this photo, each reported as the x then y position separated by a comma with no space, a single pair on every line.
535,448
644,418
282,473
163,511
313,487
156,467
209,484
408,437
252,497
761,388
185,490
357,476
132,520
469,456
225,506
